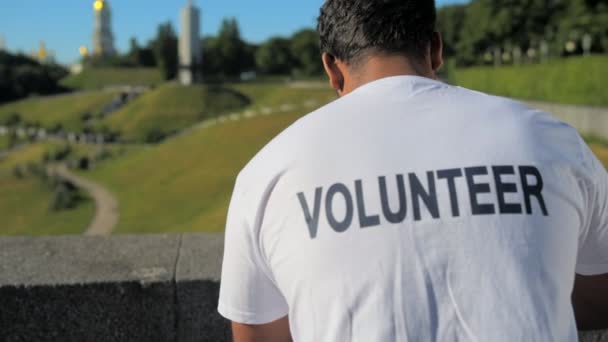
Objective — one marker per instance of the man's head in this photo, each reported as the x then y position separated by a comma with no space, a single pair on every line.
364,40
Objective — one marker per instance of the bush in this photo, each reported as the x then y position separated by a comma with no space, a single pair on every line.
86,116
84,163
12,120
36,169
66,196
56,129
18,172
62,153
155,136
104,154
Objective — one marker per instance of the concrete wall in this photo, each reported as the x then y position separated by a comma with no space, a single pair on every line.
123,288
126,288
588,120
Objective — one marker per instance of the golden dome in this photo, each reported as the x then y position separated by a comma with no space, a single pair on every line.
98,5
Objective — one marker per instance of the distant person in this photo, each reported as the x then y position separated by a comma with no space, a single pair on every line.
412,210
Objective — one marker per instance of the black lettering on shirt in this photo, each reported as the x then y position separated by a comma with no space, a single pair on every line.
429,198
339,226
532,190
450,176
365,221
503,188
399,215
476,189
424,194
312,220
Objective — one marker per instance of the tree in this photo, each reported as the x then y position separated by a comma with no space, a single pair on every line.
475,38
585,17
306,52
133,53
450,20
165,48
212,59
21,76
274,56
231,48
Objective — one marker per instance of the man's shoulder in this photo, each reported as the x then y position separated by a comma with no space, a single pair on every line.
275,157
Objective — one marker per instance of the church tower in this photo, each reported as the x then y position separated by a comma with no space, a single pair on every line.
103,39
190,54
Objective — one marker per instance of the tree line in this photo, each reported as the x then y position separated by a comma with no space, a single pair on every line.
21,76
226,55
474,31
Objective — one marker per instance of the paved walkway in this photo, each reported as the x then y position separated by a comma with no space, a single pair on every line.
106,214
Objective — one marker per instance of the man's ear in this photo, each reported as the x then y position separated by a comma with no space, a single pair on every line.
336,77
436,51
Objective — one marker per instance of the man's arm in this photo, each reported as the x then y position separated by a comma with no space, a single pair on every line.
590,300
277,331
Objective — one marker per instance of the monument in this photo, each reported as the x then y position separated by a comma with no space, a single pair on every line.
190,53
103,39
587,43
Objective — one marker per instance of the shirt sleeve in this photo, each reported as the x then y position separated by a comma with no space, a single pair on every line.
248,294
593,246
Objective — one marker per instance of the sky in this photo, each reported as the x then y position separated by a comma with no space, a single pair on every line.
65,25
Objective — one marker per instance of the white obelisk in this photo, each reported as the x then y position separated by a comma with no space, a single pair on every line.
190,53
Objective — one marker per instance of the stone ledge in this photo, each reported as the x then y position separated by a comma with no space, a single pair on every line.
122,288
587,120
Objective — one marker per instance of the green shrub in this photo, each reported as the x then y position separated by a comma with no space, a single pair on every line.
18,172
155,136
65,197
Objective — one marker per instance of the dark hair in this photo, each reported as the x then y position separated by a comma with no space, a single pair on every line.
351,29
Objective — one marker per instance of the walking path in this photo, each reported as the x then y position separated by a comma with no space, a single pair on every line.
106,214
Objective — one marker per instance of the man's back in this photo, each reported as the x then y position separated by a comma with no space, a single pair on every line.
411,210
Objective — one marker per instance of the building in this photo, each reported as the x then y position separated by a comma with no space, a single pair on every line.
103,39
190,53
2,43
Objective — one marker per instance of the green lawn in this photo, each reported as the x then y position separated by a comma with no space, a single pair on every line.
181,185
579,80
4,142
96,78
25,202
272,95
184,184
171,108
66,110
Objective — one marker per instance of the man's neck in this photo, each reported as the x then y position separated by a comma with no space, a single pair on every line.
379,67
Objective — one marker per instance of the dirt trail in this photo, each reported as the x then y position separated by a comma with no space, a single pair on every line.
106,214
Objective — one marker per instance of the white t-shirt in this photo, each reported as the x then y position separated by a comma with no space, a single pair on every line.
411,210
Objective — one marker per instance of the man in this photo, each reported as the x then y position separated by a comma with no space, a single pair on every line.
411,210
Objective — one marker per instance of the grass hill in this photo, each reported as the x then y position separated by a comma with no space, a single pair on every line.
577,80
25,202
269,95
181,185
170,108
185,184
4,142
97,78
66,109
